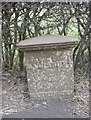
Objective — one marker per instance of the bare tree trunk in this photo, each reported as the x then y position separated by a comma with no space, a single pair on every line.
15,38
89,49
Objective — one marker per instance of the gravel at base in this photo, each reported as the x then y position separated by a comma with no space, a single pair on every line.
55,109
15,98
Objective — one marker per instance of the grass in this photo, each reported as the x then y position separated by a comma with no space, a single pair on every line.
81,98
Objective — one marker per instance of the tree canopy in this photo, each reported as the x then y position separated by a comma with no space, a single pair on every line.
22,20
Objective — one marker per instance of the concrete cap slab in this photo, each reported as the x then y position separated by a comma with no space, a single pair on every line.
47,41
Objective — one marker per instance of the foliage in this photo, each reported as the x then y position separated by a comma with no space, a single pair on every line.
22,20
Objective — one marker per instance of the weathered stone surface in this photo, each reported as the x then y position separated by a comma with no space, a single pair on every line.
50,73
47,42
49,67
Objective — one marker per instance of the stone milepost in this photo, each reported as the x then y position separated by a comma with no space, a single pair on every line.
49,65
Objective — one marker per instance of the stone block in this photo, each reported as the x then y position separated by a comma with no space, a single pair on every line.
49,64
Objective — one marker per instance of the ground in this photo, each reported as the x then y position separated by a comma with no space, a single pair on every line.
15,97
